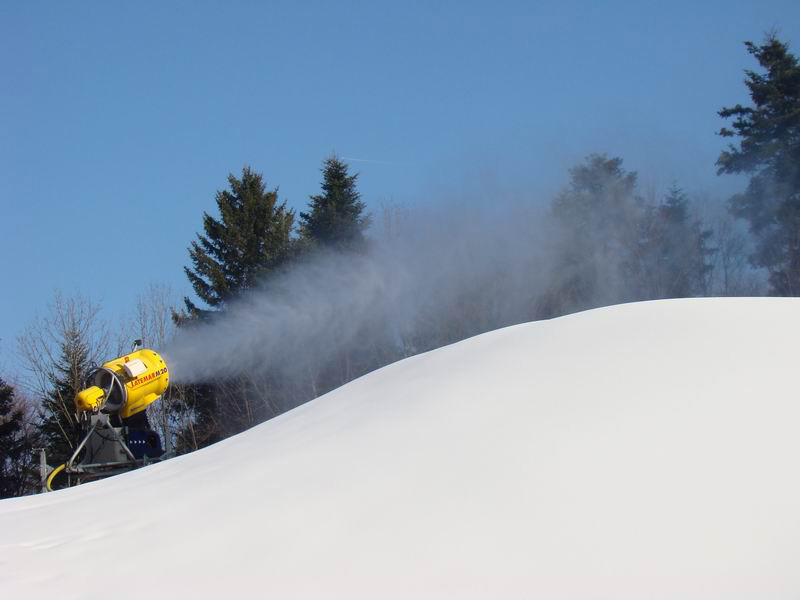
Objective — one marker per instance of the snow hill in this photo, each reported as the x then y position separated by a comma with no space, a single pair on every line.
640,451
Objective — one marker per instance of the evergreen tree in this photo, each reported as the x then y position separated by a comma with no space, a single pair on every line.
59,350
335,220
769,151
251,238
12,444
597,216
59,424
673,256
336,217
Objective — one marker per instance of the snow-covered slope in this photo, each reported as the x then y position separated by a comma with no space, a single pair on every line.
640,451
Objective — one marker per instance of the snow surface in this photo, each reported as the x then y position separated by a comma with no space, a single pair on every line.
640,451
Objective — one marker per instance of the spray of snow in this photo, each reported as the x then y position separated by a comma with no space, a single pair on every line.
416,272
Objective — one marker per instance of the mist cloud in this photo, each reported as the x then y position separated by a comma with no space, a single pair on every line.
419,274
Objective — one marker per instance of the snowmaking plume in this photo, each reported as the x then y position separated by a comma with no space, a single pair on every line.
422,282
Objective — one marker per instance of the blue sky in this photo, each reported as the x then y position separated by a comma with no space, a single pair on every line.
119,121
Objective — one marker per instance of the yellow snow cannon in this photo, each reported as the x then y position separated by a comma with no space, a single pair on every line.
112,416
126,385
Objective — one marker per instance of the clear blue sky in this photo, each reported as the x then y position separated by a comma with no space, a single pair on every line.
119,121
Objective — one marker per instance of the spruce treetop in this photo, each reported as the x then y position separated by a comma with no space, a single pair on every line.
251,237
336,216
675,208
769,151
600,198
769,130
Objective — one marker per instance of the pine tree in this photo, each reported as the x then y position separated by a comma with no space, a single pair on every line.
250,239
335,221
672,260
336,217
12,444
597,216
59,425
769,151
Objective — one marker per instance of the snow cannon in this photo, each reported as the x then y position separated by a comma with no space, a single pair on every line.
125,386
112,418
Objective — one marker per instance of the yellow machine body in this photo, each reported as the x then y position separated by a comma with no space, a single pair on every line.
90,399
142,375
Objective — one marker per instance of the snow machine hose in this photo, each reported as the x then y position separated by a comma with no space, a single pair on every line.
52,476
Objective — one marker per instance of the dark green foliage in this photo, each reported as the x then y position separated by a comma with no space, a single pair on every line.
335,221
12,444
250,239
336,217
59,425
769,151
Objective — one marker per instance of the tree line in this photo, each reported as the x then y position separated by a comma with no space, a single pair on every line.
610,243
